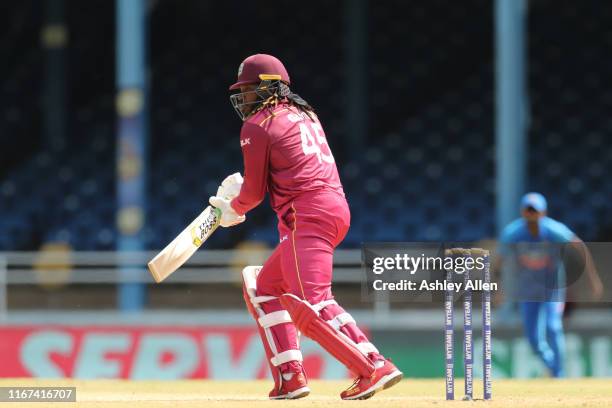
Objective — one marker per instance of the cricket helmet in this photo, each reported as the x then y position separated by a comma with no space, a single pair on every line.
271,80
259,67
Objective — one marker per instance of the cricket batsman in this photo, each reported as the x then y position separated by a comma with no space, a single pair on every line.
286,154
532,244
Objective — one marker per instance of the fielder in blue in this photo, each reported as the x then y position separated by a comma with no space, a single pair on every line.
530,247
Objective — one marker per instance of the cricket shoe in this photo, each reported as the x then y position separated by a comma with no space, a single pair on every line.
293,388
385,376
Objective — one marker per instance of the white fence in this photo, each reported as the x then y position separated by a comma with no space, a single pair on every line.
209,266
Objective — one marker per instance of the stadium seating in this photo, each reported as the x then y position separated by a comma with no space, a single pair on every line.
425,174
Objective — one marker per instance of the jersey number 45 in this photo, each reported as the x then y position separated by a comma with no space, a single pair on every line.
315,144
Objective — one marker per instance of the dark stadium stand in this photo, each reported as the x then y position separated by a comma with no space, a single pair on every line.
571,97
426,172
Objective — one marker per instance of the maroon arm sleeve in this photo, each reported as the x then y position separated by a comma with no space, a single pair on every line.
255,144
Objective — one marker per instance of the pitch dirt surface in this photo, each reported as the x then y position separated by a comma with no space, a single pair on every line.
252,394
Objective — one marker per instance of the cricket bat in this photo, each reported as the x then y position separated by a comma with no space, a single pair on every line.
177,252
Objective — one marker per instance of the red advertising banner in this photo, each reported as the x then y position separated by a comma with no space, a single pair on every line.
147,352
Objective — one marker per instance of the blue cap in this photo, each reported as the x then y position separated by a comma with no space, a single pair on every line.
534,200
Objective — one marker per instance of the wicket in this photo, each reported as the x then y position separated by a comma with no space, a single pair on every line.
468,360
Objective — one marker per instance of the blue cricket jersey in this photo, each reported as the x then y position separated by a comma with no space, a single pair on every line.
535,261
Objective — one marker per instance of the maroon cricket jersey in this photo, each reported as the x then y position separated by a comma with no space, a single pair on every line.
285,153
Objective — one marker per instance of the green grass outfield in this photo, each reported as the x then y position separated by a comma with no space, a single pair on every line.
252,394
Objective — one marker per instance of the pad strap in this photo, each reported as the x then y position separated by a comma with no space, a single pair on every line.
322,305
340,320
256,300
272,319
367,348
286,356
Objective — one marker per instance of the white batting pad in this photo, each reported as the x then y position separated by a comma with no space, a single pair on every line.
249,275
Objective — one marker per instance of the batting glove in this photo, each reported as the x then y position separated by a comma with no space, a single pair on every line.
229,217
230,187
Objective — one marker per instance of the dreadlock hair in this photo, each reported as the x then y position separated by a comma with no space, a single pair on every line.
273,92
